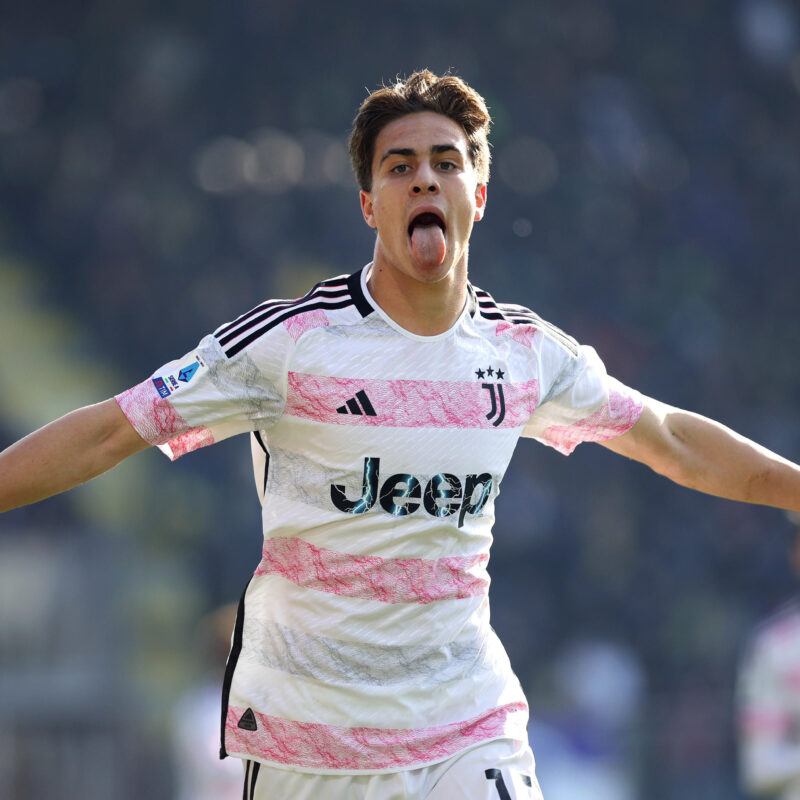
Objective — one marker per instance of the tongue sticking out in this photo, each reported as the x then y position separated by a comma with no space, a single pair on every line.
428,245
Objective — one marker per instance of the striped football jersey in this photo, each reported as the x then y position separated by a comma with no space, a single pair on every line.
768,707
363,642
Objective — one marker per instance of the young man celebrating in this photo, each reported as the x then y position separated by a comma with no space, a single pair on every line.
384,407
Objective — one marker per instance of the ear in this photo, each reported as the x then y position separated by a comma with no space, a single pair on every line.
480,201
367,208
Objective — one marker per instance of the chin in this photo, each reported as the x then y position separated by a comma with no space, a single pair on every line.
433,274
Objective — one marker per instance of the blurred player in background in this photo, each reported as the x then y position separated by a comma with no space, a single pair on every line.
383,409
199,773
769,699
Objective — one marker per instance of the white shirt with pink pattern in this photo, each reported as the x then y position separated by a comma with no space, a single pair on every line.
363,641
769,707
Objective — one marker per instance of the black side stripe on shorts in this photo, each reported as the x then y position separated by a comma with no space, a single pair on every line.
233,657
250,777
254,778
247,765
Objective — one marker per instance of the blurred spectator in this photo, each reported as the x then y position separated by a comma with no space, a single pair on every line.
584,744
199,772
769,700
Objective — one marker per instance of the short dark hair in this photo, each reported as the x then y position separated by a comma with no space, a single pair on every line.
422,91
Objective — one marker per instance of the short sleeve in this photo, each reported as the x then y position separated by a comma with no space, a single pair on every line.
207,396
581,403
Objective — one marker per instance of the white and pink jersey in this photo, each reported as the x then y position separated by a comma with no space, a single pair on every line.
363,641
769,708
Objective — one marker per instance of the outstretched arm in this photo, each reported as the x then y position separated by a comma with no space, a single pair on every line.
697,452
65,453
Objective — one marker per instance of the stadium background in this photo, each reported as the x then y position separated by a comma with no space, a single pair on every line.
164,166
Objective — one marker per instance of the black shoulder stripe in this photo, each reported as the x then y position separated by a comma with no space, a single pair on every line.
519,315
564,339
263,310
259,332
512,308
225,335
361,302
331,283
524,316
274,308
332,294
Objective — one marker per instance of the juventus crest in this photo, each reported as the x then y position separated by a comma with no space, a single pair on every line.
497,412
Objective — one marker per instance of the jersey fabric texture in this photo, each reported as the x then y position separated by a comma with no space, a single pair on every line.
362,642
496,770
769,707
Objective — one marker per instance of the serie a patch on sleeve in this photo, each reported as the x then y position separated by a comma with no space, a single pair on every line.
173,381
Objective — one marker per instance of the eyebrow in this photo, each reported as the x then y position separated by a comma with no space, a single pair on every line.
407,151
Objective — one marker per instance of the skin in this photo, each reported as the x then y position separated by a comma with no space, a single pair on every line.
702,454
67,452
421,163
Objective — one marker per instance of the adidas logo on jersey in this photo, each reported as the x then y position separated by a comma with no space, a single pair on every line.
359,405
444,494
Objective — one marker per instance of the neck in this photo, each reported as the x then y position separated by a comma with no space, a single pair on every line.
425,309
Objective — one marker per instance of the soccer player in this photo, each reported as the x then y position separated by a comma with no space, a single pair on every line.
383,408
768,700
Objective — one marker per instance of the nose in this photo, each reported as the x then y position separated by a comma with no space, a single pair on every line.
425,181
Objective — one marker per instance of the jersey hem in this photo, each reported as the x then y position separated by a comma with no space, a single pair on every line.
244,756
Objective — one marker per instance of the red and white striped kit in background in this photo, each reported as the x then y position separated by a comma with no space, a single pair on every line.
363,642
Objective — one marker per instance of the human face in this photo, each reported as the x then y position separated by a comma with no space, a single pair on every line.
421,166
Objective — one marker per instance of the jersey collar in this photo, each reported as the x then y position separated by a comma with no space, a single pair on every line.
365,307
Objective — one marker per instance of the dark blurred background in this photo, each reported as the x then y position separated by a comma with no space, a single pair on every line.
164,166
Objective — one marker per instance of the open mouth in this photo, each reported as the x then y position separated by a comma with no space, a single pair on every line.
425,219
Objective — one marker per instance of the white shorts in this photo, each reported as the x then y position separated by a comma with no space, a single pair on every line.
497,770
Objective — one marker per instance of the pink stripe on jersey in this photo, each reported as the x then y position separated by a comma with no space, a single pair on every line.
616,417
158,423
791,678
153,416
312,745
388,580
766,723
300,323
519,333
193,439
413,404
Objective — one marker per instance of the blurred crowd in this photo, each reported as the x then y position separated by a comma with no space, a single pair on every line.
166,166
